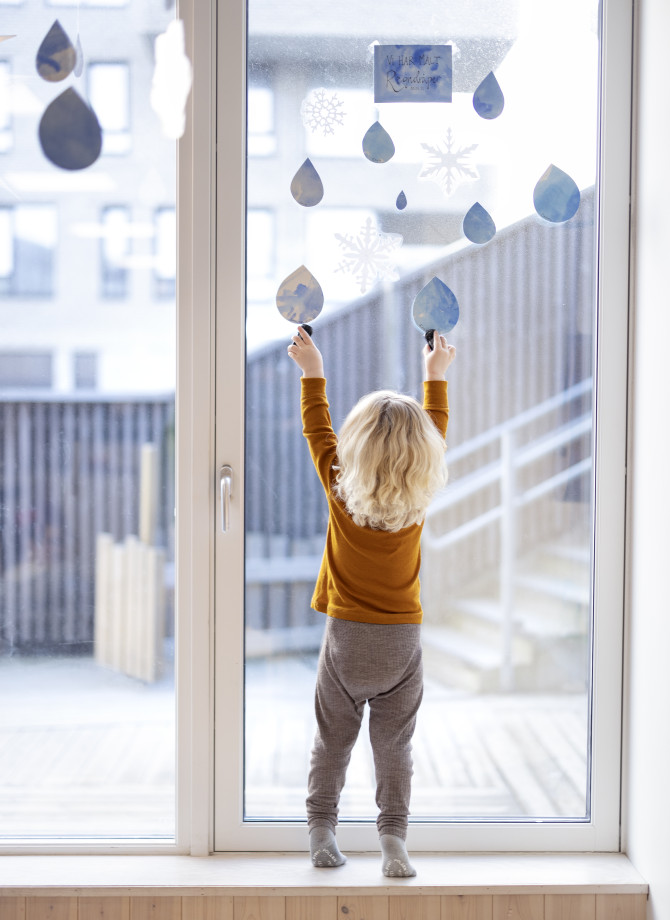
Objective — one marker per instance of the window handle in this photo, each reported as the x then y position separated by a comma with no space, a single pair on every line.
225,493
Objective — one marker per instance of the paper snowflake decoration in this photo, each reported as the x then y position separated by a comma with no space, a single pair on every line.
446,166
322,110
370,255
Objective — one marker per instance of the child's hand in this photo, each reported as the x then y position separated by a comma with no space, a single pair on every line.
438,358
305,354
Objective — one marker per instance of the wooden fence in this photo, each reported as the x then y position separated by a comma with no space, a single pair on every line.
69,470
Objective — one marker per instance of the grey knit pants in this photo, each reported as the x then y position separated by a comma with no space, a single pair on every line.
380,665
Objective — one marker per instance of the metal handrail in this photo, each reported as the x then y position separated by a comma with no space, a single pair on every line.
503,470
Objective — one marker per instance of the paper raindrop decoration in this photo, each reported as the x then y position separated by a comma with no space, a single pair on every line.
56,56
478,224
306,185
488,99
435,307
401,201
70,132
377,144
300,298
171,81
556,196
79,65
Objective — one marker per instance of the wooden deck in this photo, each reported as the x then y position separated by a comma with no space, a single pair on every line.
84,751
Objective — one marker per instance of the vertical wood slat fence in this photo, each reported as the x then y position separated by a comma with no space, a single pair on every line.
70,470
524,335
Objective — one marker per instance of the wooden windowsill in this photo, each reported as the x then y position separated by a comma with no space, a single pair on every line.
292,875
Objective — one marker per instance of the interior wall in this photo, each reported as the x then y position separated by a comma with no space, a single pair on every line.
647,750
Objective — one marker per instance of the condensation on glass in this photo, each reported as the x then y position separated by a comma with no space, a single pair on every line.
87,380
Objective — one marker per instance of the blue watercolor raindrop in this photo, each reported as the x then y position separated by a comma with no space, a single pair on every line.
378,146
556,196
401,201
299,297
435,307
56,56
70,132
306,185
478,224
488,98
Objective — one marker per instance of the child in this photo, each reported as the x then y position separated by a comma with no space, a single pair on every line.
379,478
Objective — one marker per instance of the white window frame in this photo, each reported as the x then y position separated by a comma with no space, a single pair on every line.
601,832
211,333
194,456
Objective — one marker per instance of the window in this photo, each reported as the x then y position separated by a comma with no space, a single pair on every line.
261,256
25,370
109,94
262,140
85,370
87,443
93,3
165,272
530,296
6,133
114,251
72,464
27,250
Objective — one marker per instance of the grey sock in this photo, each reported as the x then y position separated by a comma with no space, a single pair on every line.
395,861
323,848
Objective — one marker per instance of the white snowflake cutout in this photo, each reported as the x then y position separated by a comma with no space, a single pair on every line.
321,110
446,166
370,255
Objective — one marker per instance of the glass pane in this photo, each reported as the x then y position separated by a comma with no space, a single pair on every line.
504,728
87,379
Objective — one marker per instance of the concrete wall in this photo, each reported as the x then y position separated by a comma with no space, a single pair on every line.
647,748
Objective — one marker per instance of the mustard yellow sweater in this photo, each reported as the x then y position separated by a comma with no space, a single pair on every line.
370,576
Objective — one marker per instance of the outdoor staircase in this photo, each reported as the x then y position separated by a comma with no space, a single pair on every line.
549,633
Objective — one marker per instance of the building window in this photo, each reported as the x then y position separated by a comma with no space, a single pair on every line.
87,2
114,250
261,139
20,369
109,95
85,370
261,243
27,250
6,133
165,266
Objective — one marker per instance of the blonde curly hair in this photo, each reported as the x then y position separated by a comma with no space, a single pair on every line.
390,461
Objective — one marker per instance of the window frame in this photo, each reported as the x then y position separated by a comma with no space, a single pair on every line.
112,136
109,267
210,284
13,280
195,496
602,831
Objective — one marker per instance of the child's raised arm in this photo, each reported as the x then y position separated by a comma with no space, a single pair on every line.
438,358
305,354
